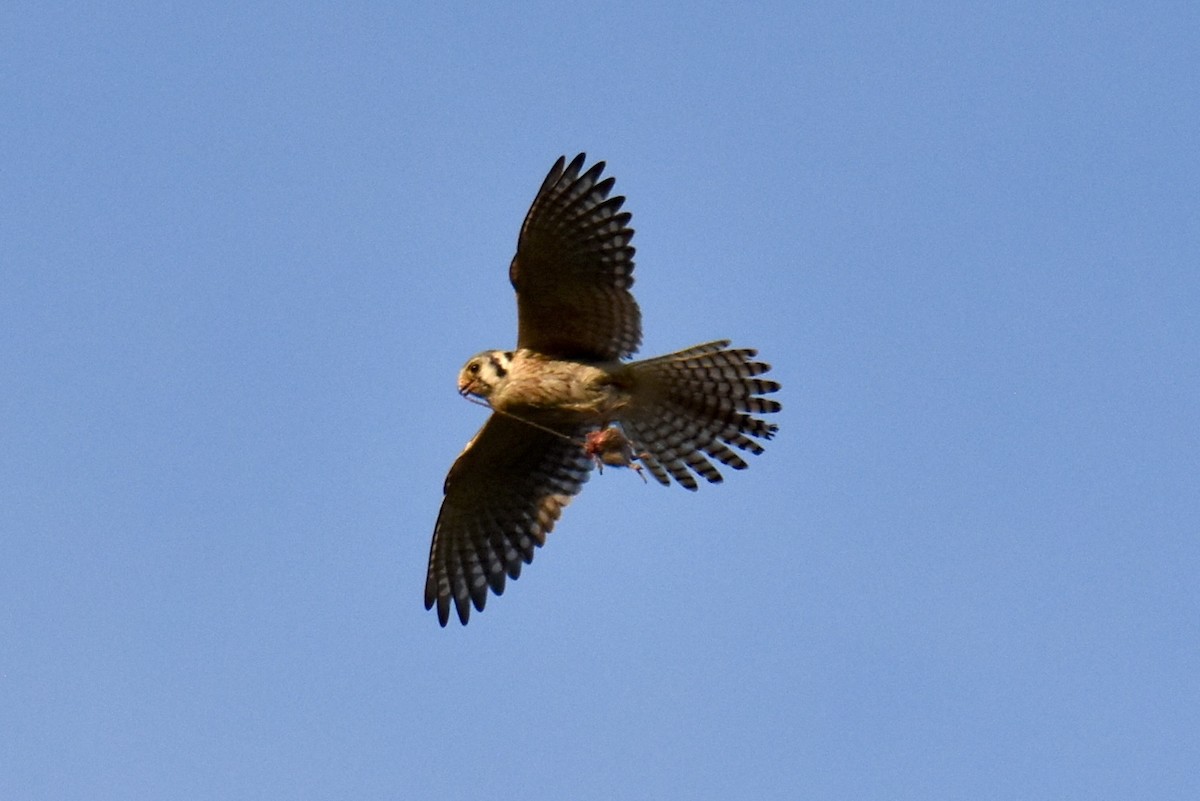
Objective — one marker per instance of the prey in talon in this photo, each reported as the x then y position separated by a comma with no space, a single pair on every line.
609,446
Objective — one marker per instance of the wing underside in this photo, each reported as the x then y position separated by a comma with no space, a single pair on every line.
503,496
574,269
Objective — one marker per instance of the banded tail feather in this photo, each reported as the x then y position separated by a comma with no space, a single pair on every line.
694,404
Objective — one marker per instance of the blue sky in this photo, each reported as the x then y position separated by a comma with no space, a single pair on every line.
244,252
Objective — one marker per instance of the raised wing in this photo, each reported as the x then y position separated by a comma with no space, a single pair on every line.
503,495
574,268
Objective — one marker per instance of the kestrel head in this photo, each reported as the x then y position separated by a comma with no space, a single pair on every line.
484,372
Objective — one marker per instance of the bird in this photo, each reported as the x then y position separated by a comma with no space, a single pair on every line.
567,398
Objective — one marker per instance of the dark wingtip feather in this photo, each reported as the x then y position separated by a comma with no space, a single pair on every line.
462,603
576,163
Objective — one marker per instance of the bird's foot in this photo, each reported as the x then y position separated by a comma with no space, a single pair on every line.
609,446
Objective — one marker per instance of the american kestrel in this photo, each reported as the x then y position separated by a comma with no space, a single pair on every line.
564,401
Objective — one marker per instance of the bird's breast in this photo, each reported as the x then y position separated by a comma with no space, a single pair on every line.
560,388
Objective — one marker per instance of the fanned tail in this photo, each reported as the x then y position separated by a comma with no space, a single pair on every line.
696,403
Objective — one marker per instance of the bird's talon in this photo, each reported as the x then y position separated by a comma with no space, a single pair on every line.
609,446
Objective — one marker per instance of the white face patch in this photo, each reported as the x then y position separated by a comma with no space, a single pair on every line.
484,372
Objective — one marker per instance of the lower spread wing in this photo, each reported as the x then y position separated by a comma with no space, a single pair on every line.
574,268
503,495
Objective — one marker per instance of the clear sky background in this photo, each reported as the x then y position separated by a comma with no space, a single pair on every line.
244,252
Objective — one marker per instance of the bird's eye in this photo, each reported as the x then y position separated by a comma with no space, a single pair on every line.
473,368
